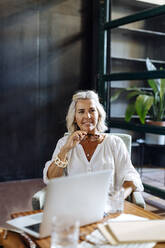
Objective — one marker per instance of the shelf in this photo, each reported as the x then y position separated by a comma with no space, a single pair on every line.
122,87
151,2
154,190
134,11
116,87
118,123
137,60
153,12
138,32
139,4
133,76
135,118
145,41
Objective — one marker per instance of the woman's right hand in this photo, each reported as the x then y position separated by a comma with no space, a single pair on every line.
74,139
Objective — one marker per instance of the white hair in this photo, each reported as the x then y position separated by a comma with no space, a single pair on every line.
70,118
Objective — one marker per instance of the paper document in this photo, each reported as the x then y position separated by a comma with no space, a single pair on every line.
131,228
137,231
97,239
100,242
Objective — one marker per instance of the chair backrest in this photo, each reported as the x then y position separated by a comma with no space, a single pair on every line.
127,139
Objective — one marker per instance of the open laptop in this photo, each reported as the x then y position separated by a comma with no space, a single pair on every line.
83,197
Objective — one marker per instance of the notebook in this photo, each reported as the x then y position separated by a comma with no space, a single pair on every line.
82,196
134,231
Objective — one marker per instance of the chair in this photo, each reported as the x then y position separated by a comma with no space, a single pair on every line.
38,198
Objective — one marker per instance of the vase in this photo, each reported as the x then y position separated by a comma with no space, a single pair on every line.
156,139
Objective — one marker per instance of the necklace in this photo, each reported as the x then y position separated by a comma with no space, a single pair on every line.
92,137
90,143
89,148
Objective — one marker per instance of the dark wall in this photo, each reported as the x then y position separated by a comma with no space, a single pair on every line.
45,56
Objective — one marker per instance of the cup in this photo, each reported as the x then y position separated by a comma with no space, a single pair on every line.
65,232
116,201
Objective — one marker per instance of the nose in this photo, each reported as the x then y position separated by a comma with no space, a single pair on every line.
87,115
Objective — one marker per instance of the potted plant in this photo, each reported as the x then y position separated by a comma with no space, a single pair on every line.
146,103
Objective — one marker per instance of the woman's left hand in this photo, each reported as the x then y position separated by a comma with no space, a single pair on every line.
129,187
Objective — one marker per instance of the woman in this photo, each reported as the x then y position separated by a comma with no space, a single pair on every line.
87,148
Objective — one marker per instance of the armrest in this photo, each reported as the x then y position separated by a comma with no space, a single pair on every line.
38,199
138,199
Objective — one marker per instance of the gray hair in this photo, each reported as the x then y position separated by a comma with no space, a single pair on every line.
70,118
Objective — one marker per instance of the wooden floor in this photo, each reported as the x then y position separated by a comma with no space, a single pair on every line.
155,177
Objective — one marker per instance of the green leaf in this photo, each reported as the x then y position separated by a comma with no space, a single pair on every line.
129,112
162,88
153,85
116,95
132,94
143,105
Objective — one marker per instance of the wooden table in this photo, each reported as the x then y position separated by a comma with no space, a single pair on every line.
129,209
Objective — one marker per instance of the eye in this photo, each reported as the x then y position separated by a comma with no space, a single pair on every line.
81,111
92,110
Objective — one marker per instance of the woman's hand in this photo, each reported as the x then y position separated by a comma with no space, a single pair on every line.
74,139
129,187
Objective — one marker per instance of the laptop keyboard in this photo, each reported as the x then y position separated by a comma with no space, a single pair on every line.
35,227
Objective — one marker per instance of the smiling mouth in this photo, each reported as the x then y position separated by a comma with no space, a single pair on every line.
87,123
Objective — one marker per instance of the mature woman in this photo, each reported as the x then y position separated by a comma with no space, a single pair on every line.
87,148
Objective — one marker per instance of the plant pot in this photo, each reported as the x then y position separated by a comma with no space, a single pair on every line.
156,139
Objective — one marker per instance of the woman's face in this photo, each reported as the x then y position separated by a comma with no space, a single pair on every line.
86,115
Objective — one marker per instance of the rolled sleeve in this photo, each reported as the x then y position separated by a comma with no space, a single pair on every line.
123,166
60,143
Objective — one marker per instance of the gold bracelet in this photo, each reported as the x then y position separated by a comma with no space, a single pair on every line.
59,163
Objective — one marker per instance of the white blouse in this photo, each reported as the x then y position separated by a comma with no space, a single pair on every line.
110,154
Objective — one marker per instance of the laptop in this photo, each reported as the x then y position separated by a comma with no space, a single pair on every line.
83,197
